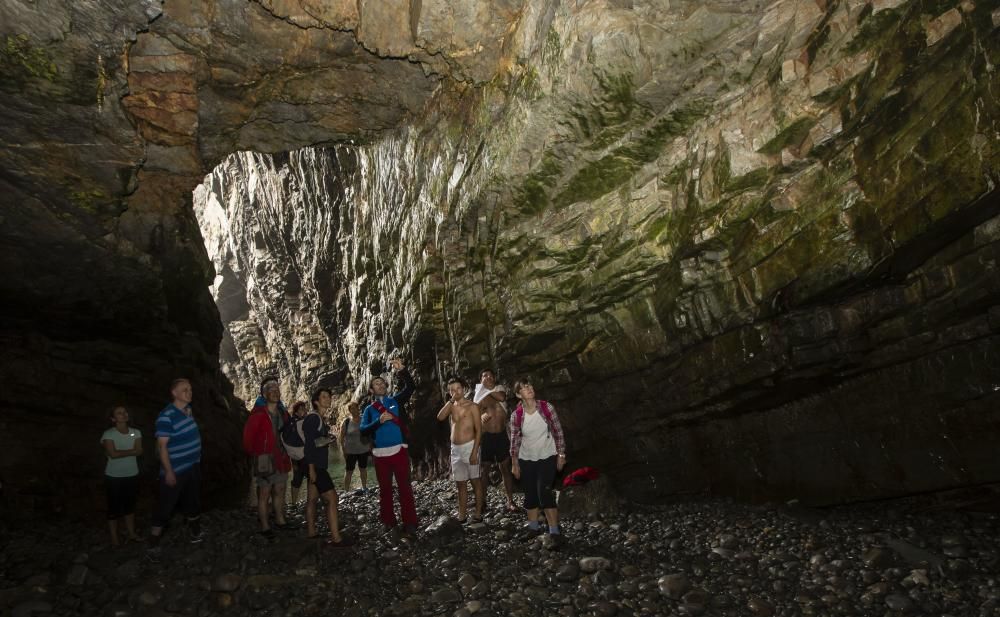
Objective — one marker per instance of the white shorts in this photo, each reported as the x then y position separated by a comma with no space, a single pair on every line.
461,470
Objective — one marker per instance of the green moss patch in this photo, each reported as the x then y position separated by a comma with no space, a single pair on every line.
821,33
602,176
915,118
758,178
88,201
791,135
532,196
875,29
21,60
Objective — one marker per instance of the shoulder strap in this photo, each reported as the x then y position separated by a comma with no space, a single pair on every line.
543,406
377,404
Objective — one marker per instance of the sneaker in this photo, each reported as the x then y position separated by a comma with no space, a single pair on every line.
552,541
527,533
359,491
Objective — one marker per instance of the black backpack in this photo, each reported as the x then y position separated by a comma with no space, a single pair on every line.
293,439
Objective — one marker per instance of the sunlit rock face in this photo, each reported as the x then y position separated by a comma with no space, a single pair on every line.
748,248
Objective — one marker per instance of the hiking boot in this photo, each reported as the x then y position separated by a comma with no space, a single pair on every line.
527,533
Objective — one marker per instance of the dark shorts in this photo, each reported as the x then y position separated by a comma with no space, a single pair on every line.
122,493
495,447
537,478
361,460
299,471
323,481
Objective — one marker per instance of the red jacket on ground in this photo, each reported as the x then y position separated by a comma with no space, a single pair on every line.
259,437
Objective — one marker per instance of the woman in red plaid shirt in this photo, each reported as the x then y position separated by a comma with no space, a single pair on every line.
538,452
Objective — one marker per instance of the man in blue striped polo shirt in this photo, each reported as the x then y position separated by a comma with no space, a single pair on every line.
179,447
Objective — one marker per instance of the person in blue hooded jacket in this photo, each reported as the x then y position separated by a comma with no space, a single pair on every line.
383,420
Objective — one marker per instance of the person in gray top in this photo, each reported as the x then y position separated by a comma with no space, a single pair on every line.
355,446
122,444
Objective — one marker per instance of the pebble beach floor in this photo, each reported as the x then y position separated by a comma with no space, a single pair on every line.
707,557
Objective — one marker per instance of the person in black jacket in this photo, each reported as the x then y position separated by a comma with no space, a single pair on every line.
316,436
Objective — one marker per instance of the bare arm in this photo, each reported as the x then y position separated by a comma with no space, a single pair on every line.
112,452
498,395
477,431
137,447
445,411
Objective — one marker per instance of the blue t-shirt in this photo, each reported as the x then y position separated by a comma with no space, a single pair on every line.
387,435
184,445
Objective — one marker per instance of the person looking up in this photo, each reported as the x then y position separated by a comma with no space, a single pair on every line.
317,440
538,452
179,442
122,445
271,463
300,470
355,446
392,460
466,432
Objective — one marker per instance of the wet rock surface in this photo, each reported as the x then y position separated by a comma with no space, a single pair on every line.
790,561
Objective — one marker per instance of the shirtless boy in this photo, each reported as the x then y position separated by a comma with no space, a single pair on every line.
490,397
466,432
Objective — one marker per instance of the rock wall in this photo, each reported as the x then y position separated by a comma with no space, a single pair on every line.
112,114
753,277
748,248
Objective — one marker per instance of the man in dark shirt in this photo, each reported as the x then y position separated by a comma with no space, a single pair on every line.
317,443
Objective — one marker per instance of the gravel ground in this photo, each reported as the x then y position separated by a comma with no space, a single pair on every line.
696,558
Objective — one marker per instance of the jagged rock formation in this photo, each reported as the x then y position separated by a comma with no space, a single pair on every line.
749,247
